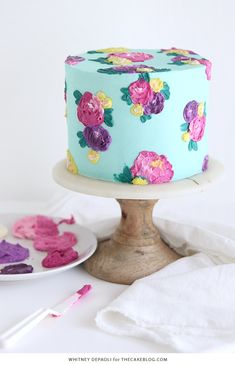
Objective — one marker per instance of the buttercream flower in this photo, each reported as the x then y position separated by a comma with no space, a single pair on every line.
190,110
205,163
144,69
97,138
73,60
177,50
106,102
71,164
208,65
156,84
89,110
112,50
200,109
186,136
93,156
116,60
140,92
155,105
137,110
196,128
156,169
139,181
134,56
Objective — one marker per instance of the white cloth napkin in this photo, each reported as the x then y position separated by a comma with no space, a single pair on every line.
190,304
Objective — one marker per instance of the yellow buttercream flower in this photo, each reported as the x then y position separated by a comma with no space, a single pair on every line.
113,50
185,137
156,85
106,102
178,50
200,109
157,163
93,156
144,69
120,61
65,112
191,62
139,181
137,110
71,164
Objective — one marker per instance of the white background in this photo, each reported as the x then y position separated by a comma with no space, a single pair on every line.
35,38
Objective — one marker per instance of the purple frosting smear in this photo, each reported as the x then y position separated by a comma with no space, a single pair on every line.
10,252
17,269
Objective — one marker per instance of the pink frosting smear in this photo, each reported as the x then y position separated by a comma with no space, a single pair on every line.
58,258
66,240
38,226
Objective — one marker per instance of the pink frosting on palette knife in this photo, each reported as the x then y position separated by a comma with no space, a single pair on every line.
66,240
58,258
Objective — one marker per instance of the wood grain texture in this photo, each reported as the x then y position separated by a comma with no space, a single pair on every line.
135,249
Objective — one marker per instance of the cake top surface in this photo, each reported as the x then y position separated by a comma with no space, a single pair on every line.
120,60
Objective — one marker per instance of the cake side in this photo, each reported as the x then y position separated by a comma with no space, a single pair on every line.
139,127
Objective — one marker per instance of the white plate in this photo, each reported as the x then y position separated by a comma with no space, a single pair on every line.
85,247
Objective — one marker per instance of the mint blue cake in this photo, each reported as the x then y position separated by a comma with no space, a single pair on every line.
137,116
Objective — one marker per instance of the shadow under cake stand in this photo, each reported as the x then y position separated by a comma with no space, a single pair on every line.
135,249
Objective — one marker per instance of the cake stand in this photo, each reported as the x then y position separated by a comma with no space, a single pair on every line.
135,248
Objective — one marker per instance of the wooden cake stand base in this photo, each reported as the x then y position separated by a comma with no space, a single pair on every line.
135,248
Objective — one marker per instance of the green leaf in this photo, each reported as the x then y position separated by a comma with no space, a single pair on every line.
101,60
126,95
144,76
165,91
125,176
77,94
148,116
82,140
190,147
80,134
184,127
163,69
108,71
194,145
92,52
108,118
143,118
125,90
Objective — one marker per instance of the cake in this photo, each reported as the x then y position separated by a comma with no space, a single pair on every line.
137,116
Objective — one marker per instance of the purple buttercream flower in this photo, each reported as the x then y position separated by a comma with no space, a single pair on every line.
155,105
205,163
97,138
73,60
190,111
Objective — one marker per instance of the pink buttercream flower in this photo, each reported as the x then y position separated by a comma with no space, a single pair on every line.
133,56
208,65
89,110
156,169
140,92
197,128
73,60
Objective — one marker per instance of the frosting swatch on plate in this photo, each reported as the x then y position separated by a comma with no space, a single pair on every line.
12,252
58,258
3,231
17,269
38,226
66,240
